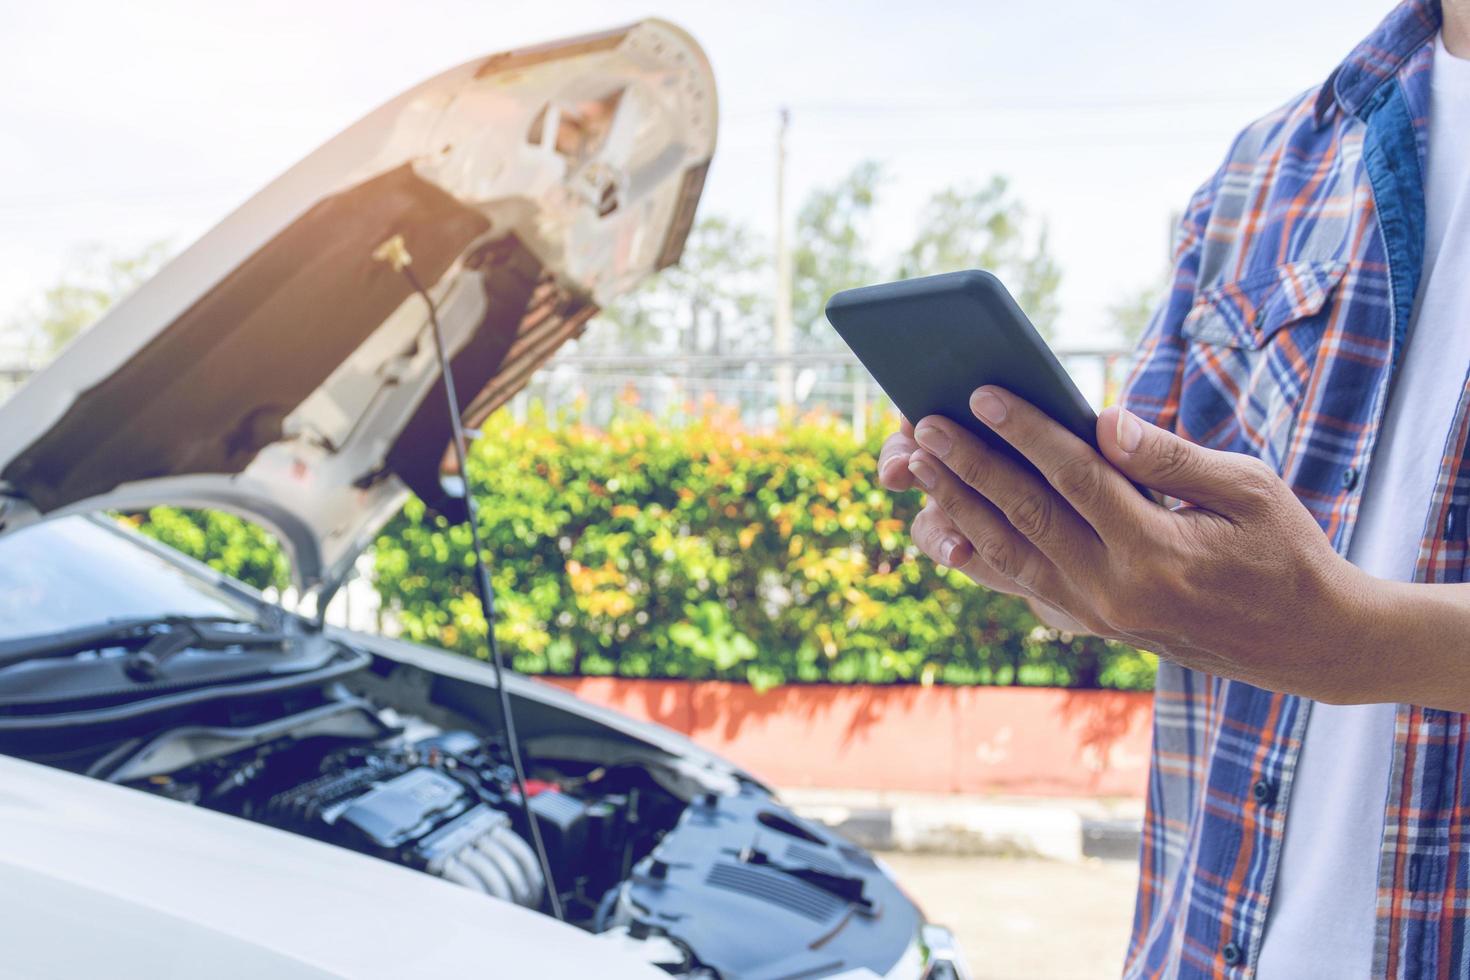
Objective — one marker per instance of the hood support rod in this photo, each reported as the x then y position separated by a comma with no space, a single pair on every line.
395,252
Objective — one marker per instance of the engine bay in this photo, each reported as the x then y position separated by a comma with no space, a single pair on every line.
441,802
700,872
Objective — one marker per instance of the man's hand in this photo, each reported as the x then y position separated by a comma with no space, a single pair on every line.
938,537
1241,584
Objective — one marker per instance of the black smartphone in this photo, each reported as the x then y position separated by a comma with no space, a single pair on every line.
930,342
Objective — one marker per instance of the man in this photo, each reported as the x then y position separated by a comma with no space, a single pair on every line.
1303,396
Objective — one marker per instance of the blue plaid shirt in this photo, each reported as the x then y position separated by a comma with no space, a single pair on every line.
1296,268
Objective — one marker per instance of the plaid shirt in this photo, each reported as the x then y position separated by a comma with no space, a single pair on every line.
1296,268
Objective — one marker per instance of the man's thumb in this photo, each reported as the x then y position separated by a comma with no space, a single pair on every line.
1222,482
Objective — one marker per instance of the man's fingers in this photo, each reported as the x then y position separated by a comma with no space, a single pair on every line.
893,461
1230,484
932,528
893,458
936,536
1095,489
955,466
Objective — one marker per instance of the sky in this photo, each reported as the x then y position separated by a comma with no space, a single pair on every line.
130,123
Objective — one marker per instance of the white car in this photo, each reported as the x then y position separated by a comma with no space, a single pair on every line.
195,782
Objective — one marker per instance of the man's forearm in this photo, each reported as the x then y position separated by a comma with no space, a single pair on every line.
1243,584
1415,640
1412,641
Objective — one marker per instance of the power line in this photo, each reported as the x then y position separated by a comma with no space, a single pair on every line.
949,105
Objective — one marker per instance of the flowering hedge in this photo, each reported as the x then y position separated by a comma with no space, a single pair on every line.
703,550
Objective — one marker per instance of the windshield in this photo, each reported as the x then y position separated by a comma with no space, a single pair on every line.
73,572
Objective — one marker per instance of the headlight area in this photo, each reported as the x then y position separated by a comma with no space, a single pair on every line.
943,959
932,954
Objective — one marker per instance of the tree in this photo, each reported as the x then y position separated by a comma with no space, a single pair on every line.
958,228
711,302
718,298
987,228
832,248
1130,316
84,293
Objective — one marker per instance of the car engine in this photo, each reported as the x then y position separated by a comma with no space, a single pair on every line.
407,808
441,802
702,874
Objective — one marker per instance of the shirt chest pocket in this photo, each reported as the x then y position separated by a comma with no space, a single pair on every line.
1251,346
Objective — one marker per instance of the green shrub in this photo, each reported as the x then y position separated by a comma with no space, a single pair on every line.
704,550
699,550
231,545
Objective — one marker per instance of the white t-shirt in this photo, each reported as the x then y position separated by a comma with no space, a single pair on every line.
1322,915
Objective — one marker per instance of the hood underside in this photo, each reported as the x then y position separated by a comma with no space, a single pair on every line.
276,369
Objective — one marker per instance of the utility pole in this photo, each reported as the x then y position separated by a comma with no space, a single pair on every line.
785,376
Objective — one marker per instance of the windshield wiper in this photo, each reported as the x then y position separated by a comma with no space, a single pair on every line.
157,638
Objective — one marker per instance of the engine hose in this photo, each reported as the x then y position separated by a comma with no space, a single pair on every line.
605,907
495,882
525,857
455,871
510,869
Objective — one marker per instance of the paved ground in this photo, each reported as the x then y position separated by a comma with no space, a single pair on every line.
1027,918
1059,828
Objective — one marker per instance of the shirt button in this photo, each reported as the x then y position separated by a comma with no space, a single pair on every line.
1263,791
1232,954
1260,319
1349,478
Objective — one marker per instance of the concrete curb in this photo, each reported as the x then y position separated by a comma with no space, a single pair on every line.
1057,829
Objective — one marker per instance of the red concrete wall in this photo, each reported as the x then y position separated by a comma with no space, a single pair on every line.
1023,741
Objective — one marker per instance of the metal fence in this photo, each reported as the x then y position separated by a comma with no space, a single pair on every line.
680,385
596,387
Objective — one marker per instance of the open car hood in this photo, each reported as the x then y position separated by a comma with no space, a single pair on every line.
278,370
